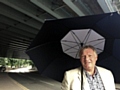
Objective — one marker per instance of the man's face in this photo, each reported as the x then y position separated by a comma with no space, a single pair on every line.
88,59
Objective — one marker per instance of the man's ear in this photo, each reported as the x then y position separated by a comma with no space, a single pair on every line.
96,57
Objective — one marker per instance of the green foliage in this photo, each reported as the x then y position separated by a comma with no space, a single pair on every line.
13,62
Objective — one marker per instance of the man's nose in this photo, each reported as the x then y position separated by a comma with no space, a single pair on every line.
86,57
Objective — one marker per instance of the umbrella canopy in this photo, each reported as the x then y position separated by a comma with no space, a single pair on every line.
48,56
75,39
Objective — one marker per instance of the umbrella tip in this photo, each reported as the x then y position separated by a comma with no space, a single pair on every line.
81,44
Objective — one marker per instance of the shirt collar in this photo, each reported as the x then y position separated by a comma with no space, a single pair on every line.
88,75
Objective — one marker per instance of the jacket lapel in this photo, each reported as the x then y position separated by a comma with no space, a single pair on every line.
103,77
85,82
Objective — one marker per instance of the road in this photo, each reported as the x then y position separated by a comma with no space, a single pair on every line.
33,81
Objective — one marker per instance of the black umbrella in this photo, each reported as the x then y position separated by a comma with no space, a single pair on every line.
46,50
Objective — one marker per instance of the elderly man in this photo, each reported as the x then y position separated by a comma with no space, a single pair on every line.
89,76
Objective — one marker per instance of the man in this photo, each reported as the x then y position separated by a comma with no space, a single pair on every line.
89,76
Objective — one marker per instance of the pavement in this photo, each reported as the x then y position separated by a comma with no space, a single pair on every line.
7,83
26,79
34,81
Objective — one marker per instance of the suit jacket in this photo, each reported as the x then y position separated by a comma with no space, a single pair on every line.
72,79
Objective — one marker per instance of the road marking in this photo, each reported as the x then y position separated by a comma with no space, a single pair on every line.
47,83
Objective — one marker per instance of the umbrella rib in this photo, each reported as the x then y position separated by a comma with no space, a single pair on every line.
98,43
87,36
70,47
72,52
96,40
73,34
68,41
99,49
77,54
